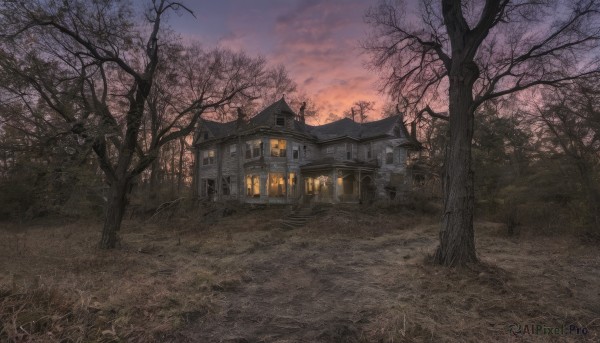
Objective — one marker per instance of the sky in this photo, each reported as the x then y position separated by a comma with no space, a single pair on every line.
318,41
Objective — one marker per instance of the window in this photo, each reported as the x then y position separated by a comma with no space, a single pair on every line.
330,150
295,152
208,187
253,186
232,150
276,185
369,151
349,151
253,148
278,147
208,157
389,155
226,185
280,121
205,135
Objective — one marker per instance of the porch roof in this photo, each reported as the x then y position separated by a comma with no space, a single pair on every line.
330,163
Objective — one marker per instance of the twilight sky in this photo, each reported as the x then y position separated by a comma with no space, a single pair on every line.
317,41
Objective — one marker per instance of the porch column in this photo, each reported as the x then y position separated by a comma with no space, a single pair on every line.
334,178
359,185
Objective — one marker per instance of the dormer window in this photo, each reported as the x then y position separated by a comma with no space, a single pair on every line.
280,121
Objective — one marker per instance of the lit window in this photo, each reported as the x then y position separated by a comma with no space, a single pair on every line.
389,155
278,147
253,148
232,150
253,186
208,157
276,185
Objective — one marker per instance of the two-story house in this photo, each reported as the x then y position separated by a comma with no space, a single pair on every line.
276,158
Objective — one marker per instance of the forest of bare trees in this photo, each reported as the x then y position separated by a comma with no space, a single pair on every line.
494,225
99,111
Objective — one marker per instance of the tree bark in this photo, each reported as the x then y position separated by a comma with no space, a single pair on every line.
117,201
457,239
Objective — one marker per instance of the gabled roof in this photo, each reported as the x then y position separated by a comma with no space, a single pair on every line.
280,107
343,128
352,129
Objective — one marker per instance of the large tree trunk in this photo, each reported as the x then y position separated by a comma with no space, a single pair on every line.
457,240
117,201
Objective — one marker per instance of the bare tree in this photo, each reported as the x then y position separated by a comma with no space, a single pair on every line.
456,55
360,110
311,108
95,69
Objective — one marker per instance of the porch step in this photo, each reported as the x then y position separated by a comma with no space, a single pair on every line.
297,219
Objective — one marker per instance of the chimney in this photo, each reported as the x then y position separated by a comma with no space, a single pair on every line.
301,112
413,130
353,118
241,117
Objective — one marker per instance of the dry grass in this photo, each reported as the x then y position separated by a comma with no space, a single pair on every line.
349,276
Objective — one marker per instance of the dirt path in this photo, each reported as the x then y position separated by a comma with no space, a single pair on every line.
298,288
347,277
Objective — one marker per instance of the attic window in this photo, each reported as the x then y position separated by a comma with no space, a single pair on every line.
280,121
205,135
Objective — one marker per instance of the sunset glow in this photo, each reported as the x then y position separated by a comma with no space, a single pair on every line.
317,41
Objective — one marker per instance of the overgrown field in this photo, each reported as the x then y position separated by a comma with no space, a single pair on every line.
351,275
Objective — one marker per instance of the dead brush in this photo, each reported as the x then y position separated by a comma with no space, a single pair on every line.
42,314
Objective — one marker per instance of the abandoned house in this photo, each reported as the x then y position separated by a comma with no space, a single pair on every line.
275,157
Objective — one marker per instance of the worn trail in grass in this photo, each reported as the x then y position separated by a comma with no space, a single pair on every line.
349,276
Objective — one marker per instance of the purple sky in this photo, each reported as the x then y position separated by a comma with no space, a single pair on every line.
317,40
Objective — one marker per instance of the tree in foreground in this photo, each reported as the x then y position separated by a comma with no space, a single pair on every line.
94,69
454,55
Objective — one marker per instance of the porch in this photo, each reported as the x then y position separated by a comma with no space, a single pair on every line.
347,182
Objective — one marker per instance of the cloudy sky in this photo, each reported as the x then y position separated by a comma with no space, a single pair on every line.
317,40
